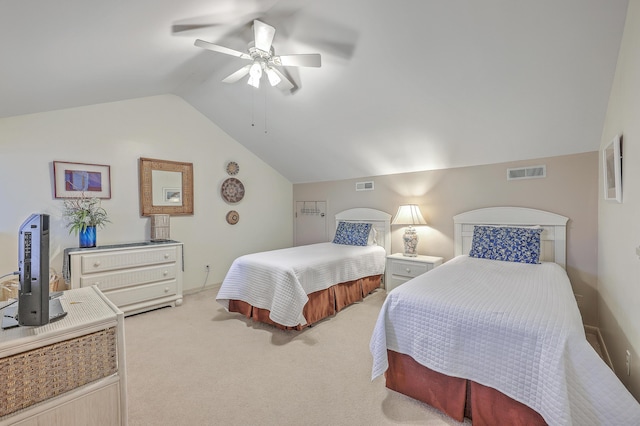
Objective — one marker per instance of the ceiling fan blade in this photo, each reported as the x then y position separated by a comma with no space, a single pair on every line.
225,21
263,35
221,49
285,83
180,28
238,74
304,60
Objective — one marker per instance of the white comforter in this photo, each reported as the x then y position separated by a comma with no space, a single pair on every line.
511,326
279,280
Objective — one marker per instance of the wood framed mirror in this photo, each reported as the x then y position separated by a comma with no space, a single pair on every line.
166,187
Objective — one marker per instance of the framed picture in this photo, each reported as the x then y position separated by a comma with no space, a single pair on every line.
172,195
612,170
72,180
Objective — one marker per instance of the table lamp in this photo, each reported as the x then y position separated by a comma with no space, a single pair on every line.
409,214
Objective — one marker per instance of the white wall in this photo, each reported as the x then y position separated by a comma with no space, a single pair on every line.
619,224
118,134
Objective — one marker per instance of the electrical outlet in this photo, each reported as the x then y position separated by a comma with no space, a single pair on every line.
628,363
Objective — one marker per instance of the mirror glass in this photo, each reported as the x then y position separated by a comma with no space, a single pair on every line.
166,187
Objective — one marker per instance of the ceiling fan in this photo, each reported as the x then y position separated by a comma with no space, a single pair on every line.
263,59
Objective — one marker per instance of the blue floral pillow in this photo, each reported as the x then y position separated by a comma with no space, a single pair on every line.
352,234
510,244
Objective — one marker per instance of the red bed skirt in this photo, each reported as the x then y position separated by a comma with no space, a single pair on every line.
321,304
458,398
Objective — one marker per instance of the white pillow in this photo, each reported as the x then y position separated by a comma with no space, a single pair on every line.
372,237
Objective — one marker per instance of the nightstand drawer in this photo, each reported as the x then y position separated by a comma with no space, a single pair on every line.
409,269
401,269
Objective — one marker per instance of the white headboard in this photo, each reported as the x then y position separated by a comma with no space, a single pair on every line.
381,222
553,240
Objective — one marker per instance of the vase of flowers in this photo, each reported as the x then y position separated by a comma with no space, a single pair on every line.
84,215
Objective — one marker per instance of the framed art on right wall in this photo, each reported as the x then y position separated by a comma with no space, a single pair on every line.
612,170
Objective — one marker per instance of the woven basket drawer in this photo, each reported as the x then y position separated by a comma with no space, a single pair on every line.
143,293
121,279
40,374
101,262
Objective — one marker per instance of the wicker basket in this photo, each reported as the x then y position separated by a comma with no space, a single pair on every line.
9,288
37,375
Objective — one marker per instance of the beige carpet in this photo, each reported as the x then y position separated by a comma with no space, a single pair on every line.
199,365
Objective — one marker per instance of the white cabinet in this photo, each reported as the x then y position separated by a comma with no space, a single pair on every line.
136,277
70,372
400,268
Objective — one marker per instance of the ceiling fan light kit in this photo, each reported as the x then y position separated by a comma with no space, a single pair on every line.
264,61
255,74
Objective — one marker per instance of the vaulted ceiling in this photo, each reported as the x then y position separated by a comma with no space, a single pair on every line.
405,85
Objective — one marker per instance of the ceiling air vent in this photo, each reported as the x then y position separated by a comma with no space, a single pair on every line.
364,186
531,172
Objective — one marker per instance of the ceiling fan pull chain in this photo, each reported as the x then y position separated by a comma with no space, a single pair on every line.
253,107
265,111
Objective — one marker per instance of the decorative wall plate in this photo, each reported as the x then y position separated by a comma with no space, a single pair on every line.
233,217
232,190
232,168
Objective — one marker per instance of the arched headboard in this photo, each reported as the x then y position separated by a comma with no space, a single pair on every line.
381,222
553,240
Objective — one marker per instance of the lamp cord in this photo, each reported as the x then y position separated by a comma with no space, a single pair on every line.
10,273
8,304
6,275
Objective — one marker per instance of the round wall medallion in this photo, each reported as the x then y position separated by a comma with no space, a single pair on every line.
232,190
233,217
232,168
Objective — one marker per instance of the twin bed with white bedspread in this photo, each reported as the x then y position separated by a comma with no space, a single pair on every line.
295,287
479,325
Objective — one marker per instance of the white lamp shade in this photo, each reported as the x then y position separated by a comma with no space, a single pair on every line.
409,214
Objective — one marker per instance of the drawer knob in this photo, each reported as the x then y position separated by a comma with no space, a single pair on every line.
408,270
165,273
166,289
166,255
96,263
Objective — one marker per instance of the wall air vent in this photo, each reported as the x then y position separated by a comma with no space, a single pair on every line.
532,172
364,186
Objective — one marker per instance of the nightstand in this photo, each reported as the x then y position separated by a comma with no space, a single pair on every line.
401,268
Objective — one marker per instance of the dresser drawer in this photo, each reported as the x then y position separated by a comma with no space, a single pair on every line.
130,277
143,293
106,261
409,269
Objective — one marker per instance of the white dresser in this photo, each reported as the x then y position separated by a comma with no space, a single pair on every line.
136,277
70,372
401,269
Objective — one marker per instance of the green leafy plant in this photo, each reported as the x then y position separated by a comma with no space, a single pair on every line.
83,212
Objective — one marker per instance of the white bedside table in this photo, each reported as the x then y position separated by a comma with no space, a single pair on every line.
401,268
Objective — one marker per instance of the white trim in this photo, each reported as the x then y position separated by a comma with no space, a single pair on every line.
381,222
553,238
